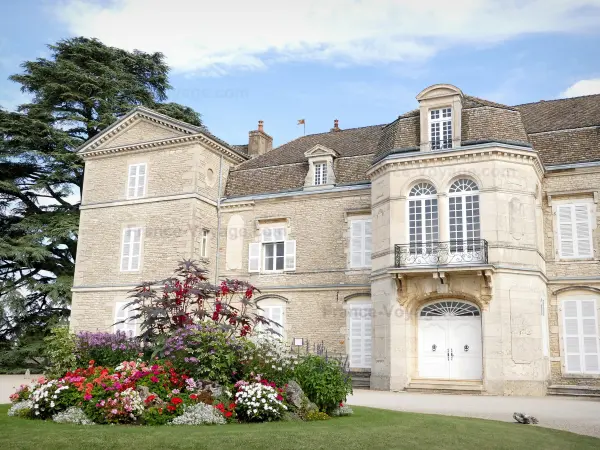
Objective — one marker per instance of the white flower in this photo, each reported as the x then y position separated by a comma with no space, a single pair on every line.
51,404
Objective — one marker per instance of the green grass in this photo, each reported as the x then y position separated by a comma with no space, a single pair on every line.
366,429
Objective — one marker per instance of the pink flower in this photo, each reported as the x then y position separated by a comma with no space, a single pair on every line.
87,397
113,411
154,379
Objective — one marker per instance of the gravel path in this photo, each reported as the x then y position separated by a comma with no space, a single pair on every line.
578,415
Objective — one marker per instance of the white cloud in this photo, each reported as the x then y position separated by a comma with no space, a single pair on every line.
583,87
226,35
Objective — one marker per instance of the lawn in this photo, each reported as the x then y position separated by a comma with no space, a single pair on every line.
367,428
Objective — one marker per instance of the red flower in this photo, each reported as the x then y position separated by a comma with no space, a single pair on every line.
231,405
92,362
193,396
150,398
279,397
176,400
171,408
228,414
341,404
220,406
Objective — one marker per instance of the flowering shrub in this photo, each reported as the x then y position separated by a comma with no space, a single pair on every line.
271,358
123,407
258,402
51,397
21,394
21,409
73,415
108,349
199,414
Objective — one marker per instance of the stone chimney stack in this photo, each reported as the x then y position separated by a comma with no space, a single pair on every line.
259,142
336,126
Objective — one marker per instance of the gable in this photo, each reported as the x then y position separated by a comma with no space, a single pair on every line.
141,130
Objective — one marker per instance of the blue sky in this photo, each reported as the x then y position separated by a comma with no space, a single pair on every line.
362,62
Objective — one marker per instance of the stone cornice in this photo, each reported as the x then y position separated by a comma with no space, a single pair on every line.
463,155
147,146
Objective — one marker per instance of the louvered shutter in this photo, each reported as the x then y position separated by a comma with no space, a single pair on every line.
126,250
589,337
131,186
141,180
572,335
583,231
122,313
276,315
290,255
566,241
254,257
356,243
368,238
359,334
136,248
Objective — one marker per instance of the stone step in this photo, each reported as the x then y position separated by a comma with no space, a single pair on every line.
361,380
570,390
473,387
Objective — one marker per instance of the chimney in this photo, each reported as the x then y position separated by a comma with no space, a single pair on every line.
259,142
336,126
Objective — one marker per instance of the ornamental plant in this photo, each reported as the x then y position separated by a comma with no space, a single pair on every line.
21,394
108,349
187,298
258,402
50,397
271,358
122,407
324,381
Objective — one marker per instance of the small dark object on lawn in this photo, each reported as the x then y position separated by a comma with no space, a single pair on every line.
525,418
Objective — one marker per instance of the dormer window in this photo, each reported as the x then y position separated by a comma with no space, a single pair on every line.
440,126
320,173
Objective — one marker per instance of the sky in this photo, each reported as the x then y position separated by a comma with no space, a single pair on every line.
360,61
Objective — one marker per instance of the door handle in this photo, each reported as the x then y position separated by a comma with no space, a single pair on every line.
451,354
448,354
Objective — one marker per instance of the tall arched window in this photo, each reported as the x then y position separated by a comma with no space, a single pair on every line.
465,229
422,217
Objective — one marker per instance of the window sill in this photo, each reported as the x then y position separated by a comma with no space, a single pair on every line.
575,260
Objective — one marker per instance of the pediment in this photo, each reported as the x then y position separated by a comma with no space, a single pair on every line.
438,90
139,126
320,150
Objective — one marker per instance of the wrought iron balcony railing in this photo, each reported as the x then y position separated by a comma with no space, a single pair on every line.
457,252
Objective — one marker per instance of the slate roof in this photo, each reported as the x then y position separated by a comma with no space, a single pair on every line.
562,131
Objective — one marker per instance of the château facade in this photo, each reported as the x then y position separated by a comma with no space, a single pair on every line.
454,248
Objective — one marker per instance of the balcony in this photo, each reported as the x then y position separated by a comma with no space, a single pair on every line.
449,253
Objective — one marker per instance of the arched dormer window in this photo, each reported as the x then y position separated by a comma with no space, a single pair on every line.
465,227
423,227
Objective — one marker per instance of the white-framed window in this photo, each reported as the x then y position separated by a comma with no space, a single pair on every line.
464,218
136,184
580,335
204,243
274,253
440,128
131,250
122,322
320,173
360,243
273,310
359,333
423,228
574,225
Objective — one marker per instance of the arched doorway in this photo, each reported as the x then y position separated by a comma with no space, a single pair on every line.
450,341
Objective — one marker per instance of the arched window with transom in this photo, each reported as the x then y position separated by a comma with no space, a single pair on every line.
422,217
465,227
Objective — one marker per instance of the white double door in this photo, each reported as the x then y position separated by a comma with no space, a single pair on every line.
450,347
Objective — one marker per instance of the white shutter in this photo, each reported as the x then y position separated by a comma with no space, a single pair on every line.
290,255
126,250
368,238
254,257
565,231
359,336
583,231
572,336
276,315
582,353
589,337
131,185
122,313
356,243
141,180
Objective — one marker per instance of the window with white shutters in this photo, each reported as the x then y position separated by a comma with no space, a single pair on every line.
360,335
136,184
580,336
274,253
360,243
440,128
131,250
574,231
122,319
